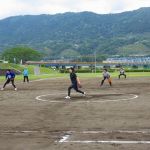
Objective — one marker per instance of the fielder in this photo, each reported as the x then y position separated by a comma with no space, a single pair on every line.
106,75
25,75
10,77
122,73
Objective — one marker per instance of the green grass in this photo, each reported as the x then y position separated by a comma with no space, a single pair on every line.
50,73
43,70
81,75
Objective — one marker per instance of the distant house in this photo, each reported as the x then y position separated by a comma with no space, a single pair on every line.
128,60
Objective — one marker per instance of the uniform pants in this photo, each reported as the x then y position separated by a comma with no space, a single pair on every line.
109,80
75,87
123,75
26,78
8,81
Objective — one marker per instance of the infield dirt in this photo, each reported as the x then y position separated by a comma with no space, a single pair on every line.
29,124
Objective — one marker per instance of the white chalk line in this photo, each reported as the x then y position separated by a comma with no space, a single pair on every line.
46,79
146,131
65,138
40,98
38,80
114,131
22,132
109,142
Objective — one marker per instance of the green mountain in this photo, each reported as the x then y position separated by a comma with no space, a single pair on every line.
80,33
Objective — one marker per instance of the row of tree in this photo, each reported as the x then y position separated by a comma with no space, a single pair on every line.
18,54
23,54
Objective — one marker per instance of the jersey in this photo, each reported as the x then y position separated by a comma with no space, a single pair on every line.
73,78
106,74
122,71
10,75
25,72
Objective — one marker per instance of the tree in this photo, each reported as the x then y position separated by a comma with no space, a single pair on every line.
17,54
69,53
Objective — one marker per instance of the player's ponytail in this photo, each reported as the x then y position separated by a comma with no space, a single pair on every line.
73,70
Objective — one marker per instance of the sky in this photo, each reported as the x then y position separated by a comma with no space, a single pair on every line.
35,7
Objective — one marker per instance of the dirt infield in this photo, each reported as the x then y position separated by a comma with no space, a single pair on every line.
37,117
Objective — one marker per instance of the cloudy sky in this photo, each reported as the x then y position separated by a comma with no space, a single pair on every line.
22,7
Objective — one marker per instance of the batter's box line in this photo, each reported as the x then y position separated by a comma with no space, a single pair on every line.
65,138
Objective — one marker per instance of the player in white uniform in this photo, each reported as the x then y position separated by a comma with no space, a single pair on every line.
106,75
122,73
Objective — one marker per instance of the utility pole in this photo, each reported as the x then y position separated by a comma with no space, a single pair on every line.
95,55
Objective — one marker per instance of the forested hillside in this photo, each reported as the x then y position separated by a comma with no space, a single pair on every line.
82,33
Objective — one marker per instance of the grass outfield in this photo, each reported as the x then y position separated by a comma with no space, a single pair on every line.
81,75
50,73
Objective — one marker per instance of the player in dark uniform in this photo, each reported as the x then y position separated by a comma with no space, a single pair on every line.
106,75
75,83
10,77
122,73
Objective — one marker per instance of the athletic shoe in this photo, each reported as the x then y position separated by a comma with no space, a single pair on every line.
15,89
84,94
67,97
2,89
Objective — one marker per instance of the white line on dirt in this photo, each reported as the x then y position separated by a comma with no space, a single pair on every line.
40,98
110,142
38,80
13,132
64,139
82,132
46,79
115,131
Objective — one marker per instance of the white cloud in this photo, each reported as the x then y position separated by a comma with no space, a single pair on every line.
22,7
